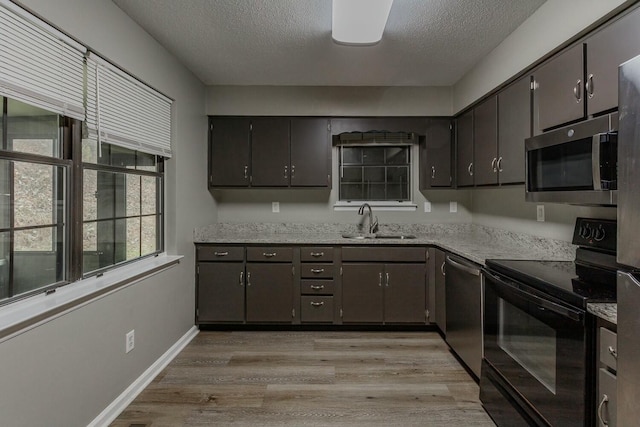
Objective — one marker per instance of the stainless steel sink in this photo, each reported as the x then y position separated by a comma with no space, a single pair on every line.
358,236
378,236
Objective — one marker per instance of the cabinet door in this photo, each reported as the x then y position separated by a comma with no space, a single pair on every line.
514,126
437,154
269,292
362,293
559,89
310,153
606,50
220,292
485,142
431,284
404,293
229,152
441,307
270,152
464,150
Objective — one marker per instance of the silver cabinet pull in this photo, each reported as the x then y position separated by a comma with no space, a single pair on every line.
269,255
577,91
248,278
604,400
493,165
589,86
246,172
470,169
442,269
380,279
317,287
499,164
433,172
285,172
317,304
613,352
387,279
293,171
241,278
317,254
221,253
317,270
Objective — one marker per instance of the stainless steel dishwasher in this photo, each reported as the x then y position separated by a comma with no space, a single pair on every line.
463,289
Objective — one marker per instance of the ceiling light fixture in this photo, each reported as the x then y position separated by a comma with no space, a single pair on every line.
359,22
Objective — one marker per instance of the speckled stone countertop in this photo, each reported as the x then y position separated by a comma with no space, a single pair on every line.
474,242
606,311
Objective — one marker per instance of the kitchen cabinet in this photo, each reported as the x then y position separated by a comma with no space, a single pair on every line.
514,126
464,150
310,152
605,408
362,294
318,302
229,152
220,286
417,125
439,290
270,285
485,142
270,152
435,155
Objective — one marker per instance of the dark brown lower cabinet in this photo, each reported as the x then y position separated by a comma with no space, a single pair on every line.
269,292
404,293
220,292
362,293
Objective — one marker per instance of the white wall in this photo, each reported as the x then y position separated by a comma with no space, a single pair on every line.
65,372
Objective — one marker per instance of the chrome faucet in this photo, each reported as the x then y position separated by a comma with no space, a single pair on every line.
373,224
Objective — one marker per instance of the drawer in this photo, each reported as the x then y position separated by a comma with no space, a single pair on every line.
321,271
269,254
317,287
219,253
321,254
384,254
609,348
606,410
316,309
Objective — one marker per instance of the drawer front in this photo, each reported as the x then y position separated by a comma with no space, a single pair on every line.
269,254
220,253
316,309
321,254
608,348
317,287
384,254
607,393
320,271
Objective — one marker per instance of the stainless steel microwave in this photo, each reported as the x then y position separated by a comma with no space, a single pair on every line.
575,164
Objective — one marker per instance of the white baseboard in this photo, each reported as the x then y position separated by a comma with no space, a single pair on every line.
111,412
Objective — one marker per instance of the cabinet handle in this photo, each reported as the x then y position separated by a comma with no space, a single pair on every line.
241,278
317,304
221,253
317,254
433,172
285,172
613,352
380,279
387,277
269,255
493,165
589,86
248,278
442,269
604,400
577,91
470,169
293,171
317,270
317,287
246,172
499,164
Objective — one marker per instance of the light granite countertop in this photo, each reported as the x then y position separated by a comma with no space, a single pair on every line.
474,242
606,311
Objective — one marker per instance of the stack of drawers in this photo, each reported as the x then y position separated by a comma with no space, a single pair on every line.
607,381
316,285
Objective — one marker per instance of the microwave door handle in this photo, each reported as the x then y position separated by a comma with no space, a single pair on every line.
595,161
540,302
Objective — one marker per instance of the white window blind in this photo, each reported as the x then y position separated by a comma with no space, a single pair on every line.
121,110
38,64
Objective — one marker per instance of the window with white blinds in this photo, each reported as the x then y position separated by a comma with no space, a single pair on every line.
39,65
121,110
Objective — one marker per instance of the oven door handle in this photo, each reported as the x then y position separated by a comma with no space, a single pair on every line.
542,303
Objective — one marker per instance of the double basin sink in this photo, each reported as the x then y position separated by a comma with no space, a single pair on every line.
378,236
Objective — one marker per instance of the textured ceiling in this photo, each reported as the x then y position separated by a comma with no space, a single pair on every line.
288,42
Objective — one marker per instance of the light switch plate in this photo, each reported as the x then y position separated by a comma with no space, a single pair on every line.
427,206
275,207
540,213
453,207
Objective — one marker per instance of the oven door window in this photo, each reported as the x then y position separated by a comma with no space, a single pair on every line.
528,341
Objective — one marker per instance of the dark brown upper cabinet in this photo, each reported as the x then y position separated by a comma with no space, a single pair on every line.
310,152
485,141
464,150
270,163
514,126
435,155
229,152
417,125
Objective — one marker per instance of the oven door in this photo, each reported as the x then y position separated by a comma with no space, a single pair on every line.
538,346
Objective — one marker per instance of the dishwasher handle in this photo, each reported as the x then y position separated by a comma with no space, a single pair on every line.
475,271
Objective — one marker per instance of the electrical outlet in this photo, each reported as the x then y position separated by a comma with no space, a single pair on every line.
540,213
453,207
275,207
427,206
130,341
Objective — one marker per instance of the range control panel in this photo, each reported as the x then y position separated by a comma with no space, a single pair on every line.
596,233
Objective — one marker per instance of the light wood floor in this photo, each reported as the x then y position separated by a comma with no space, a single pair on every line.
288,378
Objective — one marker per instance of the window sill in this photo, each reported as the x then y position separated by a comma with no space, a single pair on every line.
17,317
378,206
